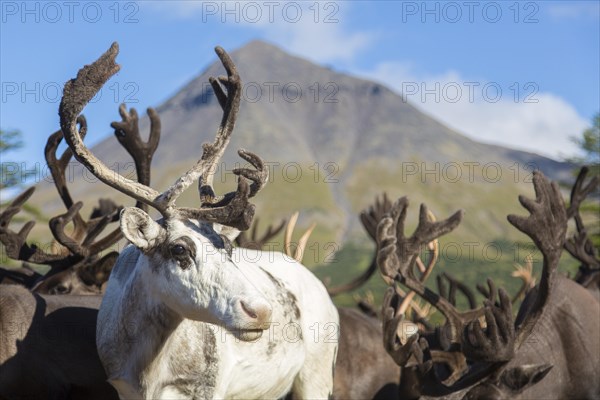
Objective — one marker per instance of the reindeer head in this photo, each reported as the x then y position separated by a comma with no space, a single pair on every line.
185,257
189,266
87,279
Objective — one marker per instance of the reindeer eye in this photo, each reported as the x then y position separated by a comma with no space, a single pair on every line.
60,289
178,250
183,251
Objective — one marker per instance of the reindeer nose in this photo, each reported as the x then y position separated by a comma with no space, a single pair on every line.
259,312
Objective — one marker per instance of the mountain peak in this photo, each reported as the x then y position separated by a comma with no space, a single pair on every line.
333,141
270,58
258,46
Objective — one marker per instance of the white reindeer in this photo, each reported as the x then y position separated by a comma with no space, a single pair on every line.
184,314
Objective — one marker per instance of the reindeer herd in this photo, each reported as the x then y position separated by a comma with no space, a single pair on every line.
182,312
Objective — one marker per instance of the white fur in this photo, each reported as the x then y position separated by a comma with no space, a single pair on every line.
149,350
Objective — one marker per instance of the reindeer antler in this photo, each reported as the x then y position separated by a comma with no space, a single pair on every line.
579,245
27,279
497,341
580,191
127,133
489,350
546,226
254,241
81,240
229,103
369,218
455,284
298,254
525,273
372,215
397,256
396,340
16,243
233,210
434,251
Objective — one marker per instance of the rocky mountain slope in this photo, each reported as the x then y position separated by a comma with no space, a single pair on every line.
333,142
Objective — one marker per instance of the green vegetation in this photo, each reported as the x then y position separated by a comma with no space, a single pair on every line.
590,213
589,144
9,140
11,177
470,266
486,198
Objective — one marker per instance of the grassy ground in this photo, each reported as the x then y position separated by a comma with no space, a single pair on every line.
497,264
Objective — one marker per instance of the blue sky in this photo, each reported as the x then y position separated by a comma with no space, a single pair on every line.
523,74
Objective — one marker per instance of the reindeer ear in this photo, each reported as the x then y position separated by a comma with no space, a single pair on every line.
519,378
140,229
226,231
98,272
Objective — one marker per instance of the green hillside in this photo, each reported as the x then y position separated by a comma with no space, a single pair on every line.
328,160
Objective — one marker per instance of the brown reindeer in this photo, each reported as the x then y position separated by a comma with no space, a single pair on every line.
48,347
77,268
48,343
555,332
23,275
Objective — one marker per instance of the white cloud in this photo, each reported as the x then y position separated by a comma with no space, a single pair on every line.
318,31
322,43
539,122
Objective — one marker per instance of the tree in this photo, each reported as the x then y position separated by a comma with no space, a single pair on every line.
9,140
589,144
